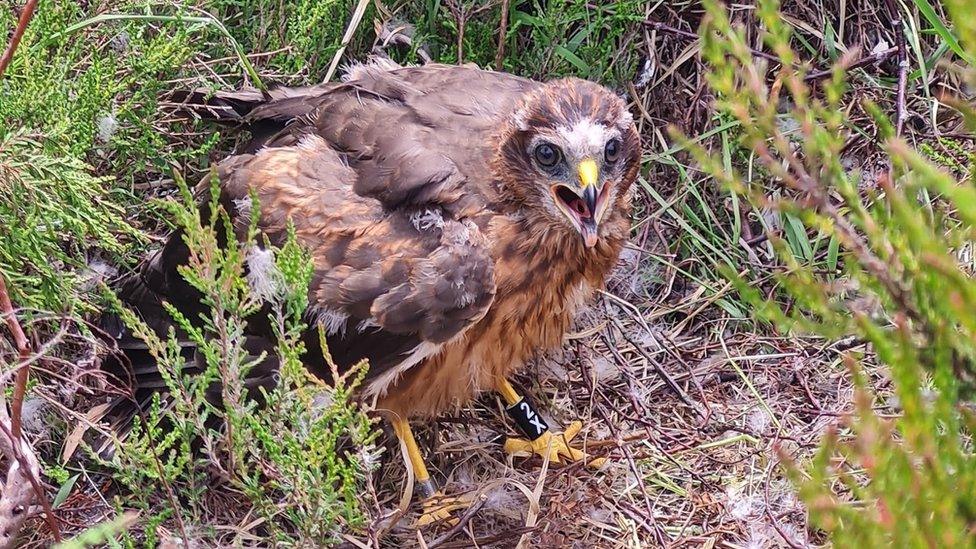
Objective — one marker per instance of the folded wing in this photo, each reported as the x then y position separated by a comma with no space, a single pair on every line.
389,285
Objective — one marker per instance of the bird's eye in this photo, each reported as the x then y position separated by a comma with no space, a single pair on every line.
612,151
547,155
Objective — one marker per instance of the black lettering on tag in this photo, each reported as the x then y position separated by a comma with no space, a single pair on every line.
528,420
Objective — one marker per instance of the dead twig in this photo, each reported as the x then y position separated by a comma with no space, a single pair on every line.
462,15
692,36
23,366
866,61
769,514
650,524
475,507
897,28
502,31
665,376
872,59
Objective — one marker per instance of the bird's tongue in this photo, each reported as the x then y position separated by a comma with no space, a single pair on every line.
581,209
587,225
588,231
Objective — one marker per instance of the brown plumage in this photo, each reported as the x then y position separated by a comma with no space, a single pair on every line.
447,250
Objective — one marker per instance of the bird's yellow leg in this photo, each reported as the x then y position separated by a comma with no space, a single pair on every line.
540,440
436,506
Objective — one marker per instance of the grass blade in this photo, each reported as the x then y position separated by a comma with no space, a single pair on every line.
926,9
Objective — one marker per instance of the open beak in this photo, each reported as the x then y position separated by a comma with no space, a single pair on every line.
585,207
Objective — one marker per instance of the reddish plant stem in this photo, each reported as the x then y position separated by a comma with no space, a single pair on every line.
25,17
17,404
23,351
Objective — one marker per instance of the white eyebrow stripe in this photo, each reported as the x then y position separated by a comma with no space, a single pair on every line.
626,119
586,138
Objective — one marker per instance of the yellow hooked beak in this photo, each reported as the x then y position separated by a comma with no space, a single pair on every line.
588,174
583,205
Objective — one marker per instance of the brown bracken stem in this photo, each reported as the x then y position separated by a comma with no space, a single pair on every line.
25,17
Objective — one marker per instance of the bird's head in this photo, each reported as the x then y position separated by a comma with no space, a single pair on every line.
569,153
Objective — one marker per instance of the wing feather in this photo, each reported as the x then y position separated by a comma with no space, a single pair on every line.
409,279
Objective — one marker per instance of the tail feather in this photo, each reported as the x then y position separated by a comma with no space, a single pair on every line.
235,106
142,381
264,113
279,104
133,368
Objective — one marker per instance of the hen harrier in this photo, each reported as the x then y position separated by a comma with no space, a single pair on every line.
456,219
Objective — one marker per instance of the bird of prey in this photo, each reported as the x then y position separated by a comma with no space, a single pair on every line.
456,218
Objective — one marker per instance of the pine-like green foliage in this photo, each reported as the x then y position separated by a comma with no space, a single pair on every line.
292,457
90,90
81,98
903,482
54,212
75,104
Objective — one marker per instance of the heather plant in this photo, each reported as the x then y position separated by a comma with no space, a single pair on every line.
897,250
76,133
55,215
292,457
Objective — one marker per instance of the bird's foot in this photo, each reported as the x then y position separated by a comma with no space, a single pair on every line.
555,446
438,508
